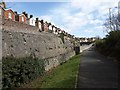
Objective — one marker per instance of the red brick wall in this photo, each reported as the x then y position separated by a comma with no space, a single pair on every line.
20,18
19,27
6,14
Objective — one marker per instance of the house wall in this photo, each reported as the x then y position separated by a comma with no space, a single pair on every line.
19,27
20,18
39,25
50,27
46,27
6,14
1,22
17,17
32,22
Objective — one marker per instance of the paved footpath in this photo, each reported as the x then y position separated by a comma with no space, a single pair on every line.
96,71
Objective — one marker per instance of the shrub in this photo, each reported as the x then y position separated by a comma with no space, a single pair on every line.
110,45
17,71
112,39
117,50
100,45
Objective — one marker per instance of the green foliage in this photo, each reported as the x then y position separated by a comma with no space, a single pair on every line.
100,44
112,39
63,76
110,45
17,71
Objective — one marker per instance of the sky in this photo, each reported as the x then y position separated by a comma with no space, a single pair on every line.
82,18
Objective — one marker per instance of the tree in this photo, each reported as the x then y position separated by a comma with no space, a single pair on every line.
112,23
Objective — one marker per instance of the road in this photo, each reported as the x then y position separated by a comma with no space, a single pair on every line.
96,71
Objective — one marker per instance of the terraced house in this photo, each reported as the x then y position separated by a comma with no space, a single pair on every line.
20,18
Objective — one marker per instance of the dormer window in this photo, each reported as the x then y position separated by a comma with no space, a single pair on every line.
9,15
22,19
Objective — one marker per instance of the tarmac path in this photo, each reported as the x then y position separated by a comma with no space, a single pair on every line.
96,71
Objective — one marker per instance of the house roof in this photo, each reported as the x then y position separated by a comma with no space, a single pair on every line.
22,15
9,10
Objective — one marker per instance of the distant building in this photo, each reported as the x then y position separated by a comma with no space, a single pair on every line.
9,14
83,40
54,29
39,24
50,27
46,26
32,21
20,18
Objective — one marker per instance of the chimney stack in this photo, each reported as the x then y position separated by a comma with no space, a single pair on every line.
25,14
15,12
42,25
37,23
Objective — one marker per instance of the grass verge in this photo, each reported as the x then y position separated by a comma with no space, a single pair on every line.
63,76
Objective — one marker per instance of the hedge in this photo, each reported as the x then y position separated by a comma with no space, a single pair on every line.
17,71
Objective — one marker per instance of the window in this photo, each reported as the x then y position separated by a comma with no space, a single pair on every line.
22,19
9,15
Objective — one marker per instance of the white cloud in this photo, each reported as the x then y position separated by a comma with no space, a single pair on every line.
99,27
96,22
46,18
77,16
88,31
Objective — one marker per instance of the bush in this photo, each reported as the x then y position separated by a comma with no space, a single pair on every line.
100,45
112,39
117,50
110,45
17,71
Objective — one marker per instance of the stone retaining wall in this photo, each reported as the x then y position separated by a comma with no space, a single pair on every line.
46,46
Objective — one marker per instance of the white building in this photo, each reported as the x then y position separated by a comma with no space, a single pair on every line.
50,27
32,21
